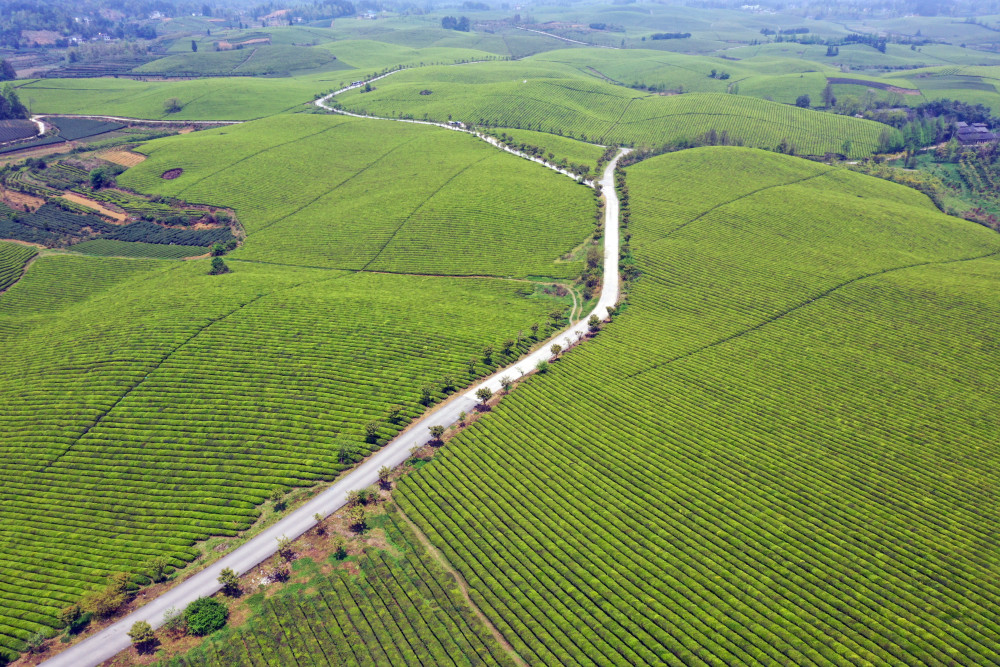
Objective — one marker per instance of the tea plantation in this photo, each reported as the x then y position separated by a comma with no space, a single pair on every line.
533,97
148,406
379,196
13,257
400,609
782,452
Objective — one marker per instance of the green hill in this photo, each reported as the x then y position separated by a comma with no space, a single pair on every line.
782,452
531,96
347,193
148,405
13,257
253,60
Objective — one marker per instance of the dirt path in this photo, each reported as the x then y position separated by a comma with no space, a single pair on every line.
463,586
97,206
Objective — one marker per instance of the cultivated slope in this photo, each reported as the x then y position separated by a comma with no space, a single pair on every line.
555,98
782,452
349,193
147,405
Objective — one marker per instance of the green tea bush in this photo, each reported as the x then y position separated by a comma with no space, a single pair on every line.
204,616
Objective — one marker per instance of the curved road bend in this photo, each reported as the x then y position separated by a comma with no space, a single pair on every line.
111,640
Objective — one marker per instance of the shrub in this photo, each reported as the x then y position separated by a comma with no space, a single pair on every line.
285,548
230,581
205,615
142,635
218,267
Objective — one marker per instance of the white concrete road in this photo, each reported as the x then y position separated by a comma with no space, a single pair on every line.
113,639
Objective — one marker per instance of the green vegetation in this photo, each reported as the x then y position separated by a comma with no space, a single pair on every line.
204,616
206,393
108,248
200,99
13,257
311,190
782,457
399,608
251,61
516,95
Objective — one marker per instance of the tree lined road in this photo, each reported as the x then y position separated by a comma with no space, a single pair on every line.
114,639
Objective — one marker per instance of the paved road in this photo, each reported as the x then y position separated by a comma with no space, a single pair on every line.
113,639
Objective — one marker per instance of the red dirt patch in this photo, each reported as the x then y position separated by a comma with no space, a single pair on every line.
171,174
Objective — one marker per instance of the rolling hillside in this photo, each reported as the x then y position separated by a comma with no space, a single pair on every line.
149,405
355,194
533,97
782,452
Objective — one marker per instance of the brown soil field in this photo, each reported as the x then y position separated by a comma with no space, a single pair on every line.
97,206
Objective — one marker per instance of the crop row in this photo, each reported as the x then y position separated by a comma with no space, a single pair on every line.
142,415
107,248
602,113
437,218
13,257
397,610
776,455
137,205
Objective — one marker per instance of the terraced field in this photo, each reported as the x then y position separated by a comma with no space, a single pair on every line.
784,451
379,196
529,97
402,609
13,257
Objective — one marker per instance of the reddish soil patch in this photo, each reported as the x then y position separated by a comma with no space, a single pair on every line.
171,174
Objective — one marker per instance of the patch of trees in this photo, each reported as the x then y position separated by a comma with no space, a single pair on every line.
722,76
10,104
670,35
874,41
451,23
7,72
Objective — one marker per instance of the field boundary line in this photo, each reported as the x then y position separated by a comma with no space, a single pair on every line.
335,187
152,370
463,586
24,272
421,205
803,304
250,157
736,199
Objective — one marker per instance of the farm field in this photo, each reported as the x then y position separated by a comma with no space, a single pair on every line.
13,257
250,61
379,196
495,94
111,248
201,99
782,452
149,406
400,608
181,409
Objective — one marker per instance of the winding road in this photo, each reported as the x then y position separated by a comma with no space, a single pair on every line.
113,639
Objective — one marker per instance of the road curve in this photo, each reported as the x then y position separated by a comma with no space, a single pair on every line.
111,640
